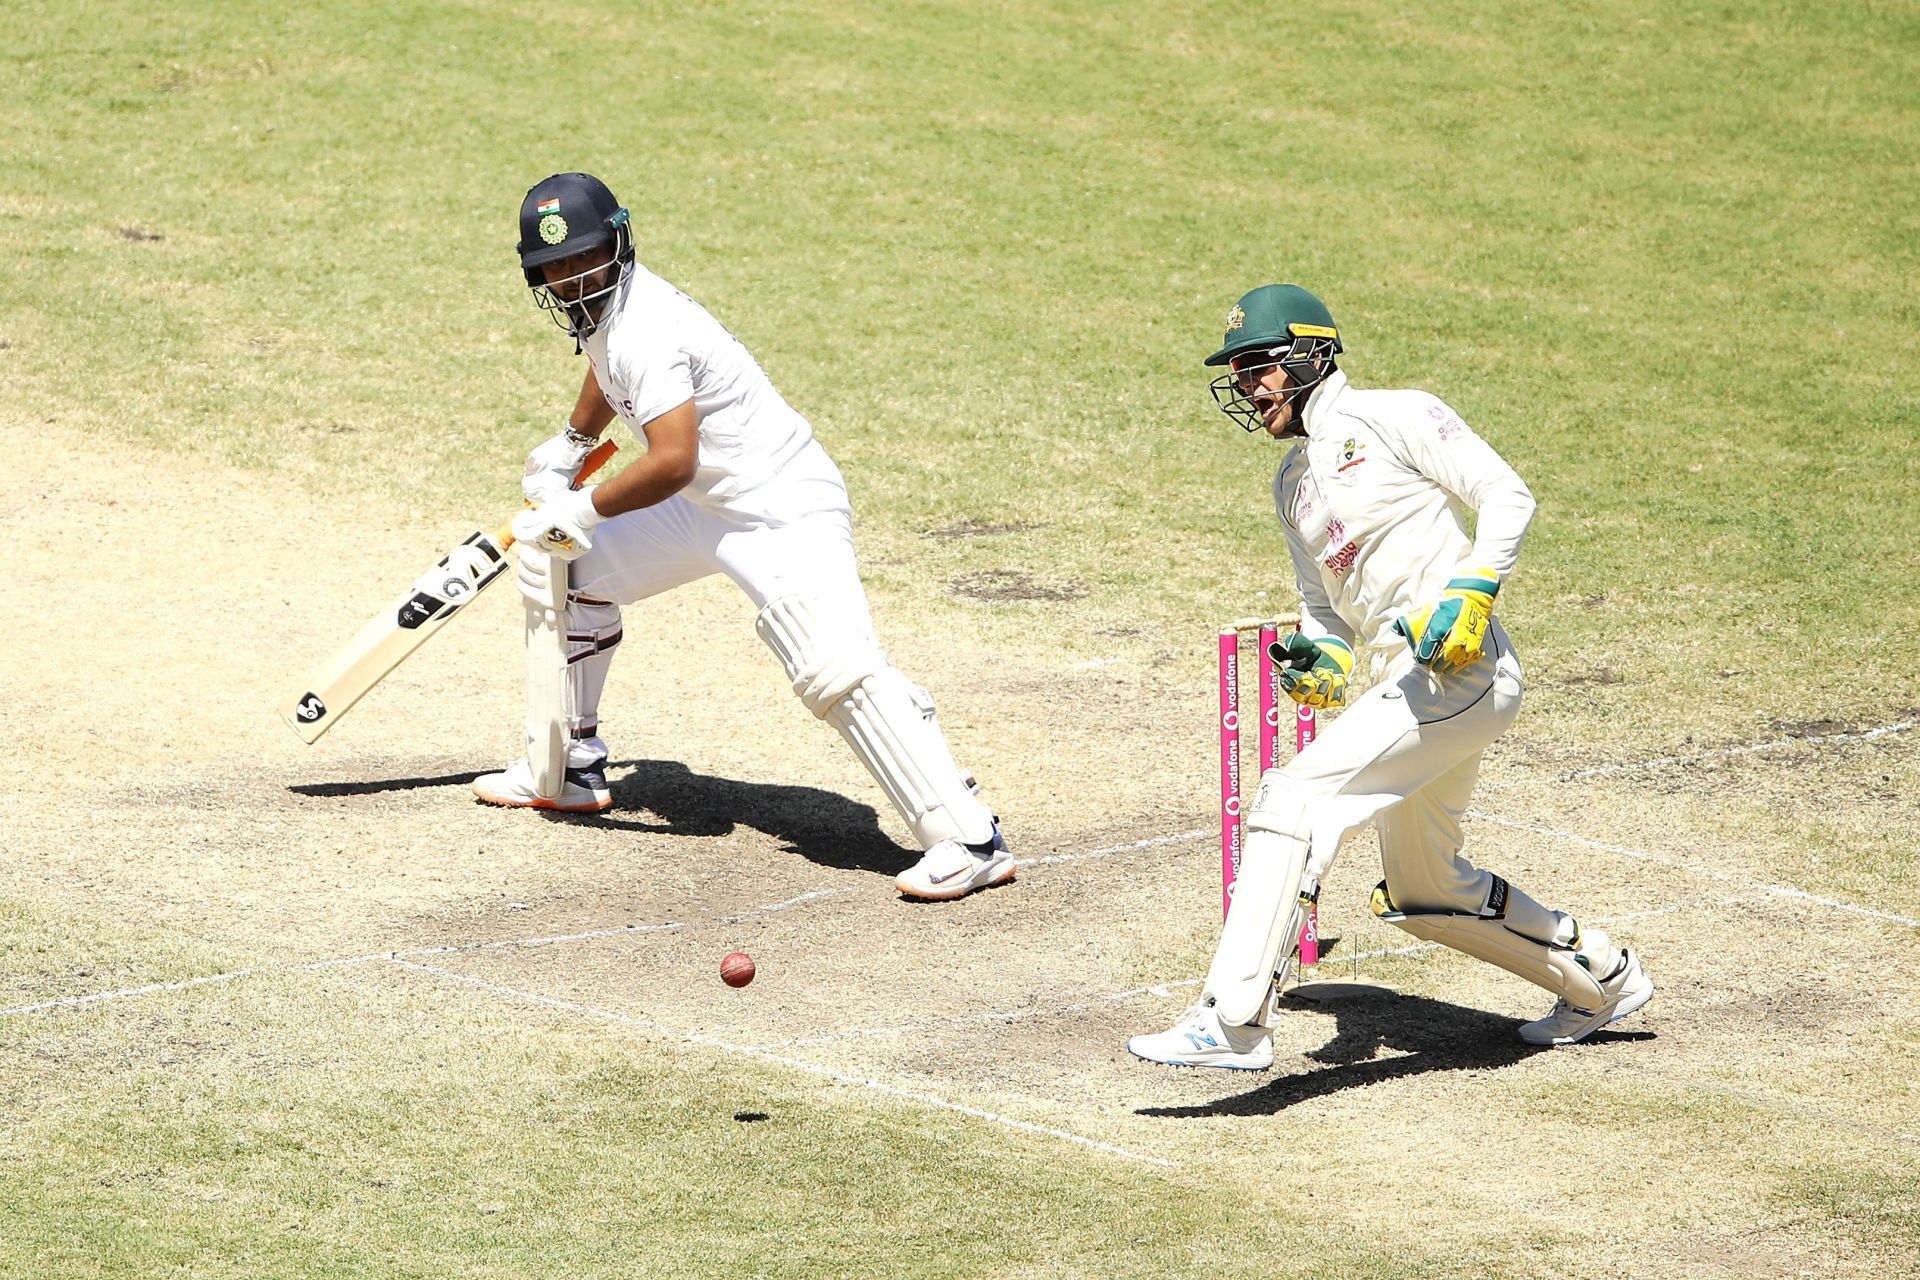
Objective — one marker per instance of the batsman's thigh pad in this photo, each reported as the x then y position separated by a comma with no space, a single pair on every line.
1264,921
1510,930
842,676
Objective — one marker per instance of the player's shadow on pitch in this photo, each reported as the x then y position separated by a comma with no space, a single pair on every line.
1423,1035
821,826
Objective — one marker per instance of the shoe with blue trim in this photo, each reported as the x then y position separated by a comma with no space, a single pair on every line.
1200,1039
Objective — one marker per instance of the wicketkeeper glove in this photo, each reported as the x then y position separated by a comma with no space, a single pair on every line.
562,526
1446,635
1313,671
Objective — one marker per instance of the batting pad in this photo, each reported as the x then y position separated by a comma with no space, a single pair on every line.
547,716
846,680
1264,922
1492,937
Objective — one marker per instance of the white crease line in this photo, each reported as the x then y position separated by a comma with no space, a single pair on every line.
1151,842
1010,1015
814,1068
815,896
71,1002
1669,761
1165,990
1785,891
1788,891
587,936
74,1002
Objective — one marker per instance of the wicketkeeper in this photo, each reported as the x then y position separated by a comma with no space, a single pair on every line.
732,482
1371,497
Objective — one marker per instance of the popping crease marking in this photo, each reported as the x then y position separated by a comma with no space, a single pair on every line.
1667,762
1152,842
1165,990
1782,890
73,1002
814,1068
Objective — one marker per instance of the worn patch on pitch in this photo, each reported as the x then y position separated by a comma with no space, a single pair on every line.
1012,584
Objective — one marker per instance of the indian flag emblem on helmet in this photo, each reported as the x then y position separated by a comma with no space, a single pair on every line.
548,206
1235,318
553,227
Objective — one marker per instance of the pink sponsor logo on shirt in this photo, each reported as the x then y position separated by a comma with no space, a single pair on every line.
1450,424
1342,560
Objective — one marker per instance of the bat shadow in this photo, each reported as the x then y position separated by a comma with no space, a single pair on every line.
821,826
1422,1034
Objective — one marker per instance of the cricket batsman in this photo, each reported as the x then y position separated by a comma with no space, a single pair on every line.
732,482
1371,497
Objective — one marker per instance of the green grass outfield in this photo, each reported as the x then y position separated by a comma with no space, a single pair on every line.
1666,258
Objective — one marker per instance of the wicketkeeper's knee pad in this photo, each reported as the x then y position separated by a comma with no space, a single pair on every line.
842,676
1509,930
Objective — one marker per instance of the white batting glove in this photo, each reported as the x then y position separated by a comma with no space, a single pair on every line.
562,526
555,464
534,573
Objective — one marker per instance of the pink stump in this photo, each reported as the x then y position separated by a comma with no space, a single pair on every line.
1305,726
1269,702
1229,766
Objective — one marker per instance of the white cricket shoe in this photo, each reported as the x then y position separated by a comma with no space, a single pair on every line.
952,869
1200,1039
1627,988
585,790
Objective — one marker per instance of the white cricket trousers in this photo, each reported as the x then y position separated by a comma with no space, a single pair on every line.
1405,756
795,538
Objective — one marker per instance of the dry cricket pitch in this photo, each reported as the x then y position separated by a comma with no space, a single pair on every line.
154,785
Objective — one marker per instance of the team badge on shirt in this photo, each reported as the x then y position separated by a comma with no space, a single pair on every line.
1352,453
553,228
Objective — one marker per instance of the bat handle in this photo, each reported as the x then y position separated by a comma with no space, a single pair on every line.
593,462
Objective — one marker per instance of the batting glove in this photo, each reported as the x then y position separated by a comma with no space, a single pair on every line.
562,526
1447,635
554,465
1314,672
533,573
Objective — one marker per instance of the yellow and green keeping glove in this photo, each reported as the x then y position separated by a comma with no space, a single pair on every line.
1313,672
1446,636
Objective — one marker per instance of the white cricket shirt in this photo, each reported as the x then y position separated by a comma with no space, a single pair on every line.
1373,504
656,350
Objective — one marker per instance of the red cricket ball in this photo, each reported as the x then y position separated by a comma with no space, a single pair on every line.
737,969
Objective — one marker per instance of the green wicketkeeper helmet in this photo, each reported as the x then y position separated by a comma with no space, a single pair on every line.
1286,326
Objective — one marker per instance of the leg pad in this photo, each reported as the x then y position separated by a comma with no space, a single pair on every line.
1490,935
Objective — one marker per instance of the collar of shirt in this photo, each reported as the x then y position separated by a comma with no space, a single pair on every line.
1320,402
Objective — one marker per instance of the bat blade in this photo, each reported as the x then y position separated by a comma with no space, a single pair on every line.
391,635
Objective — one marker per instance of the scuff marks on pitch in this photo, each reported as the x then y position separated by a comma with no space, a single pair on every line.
1001,585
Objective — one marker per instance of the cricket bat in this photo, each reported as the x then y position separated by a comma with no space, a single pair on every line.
434,600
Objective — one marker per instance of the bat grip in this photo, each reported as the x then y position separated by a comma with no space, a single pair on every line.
592,463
